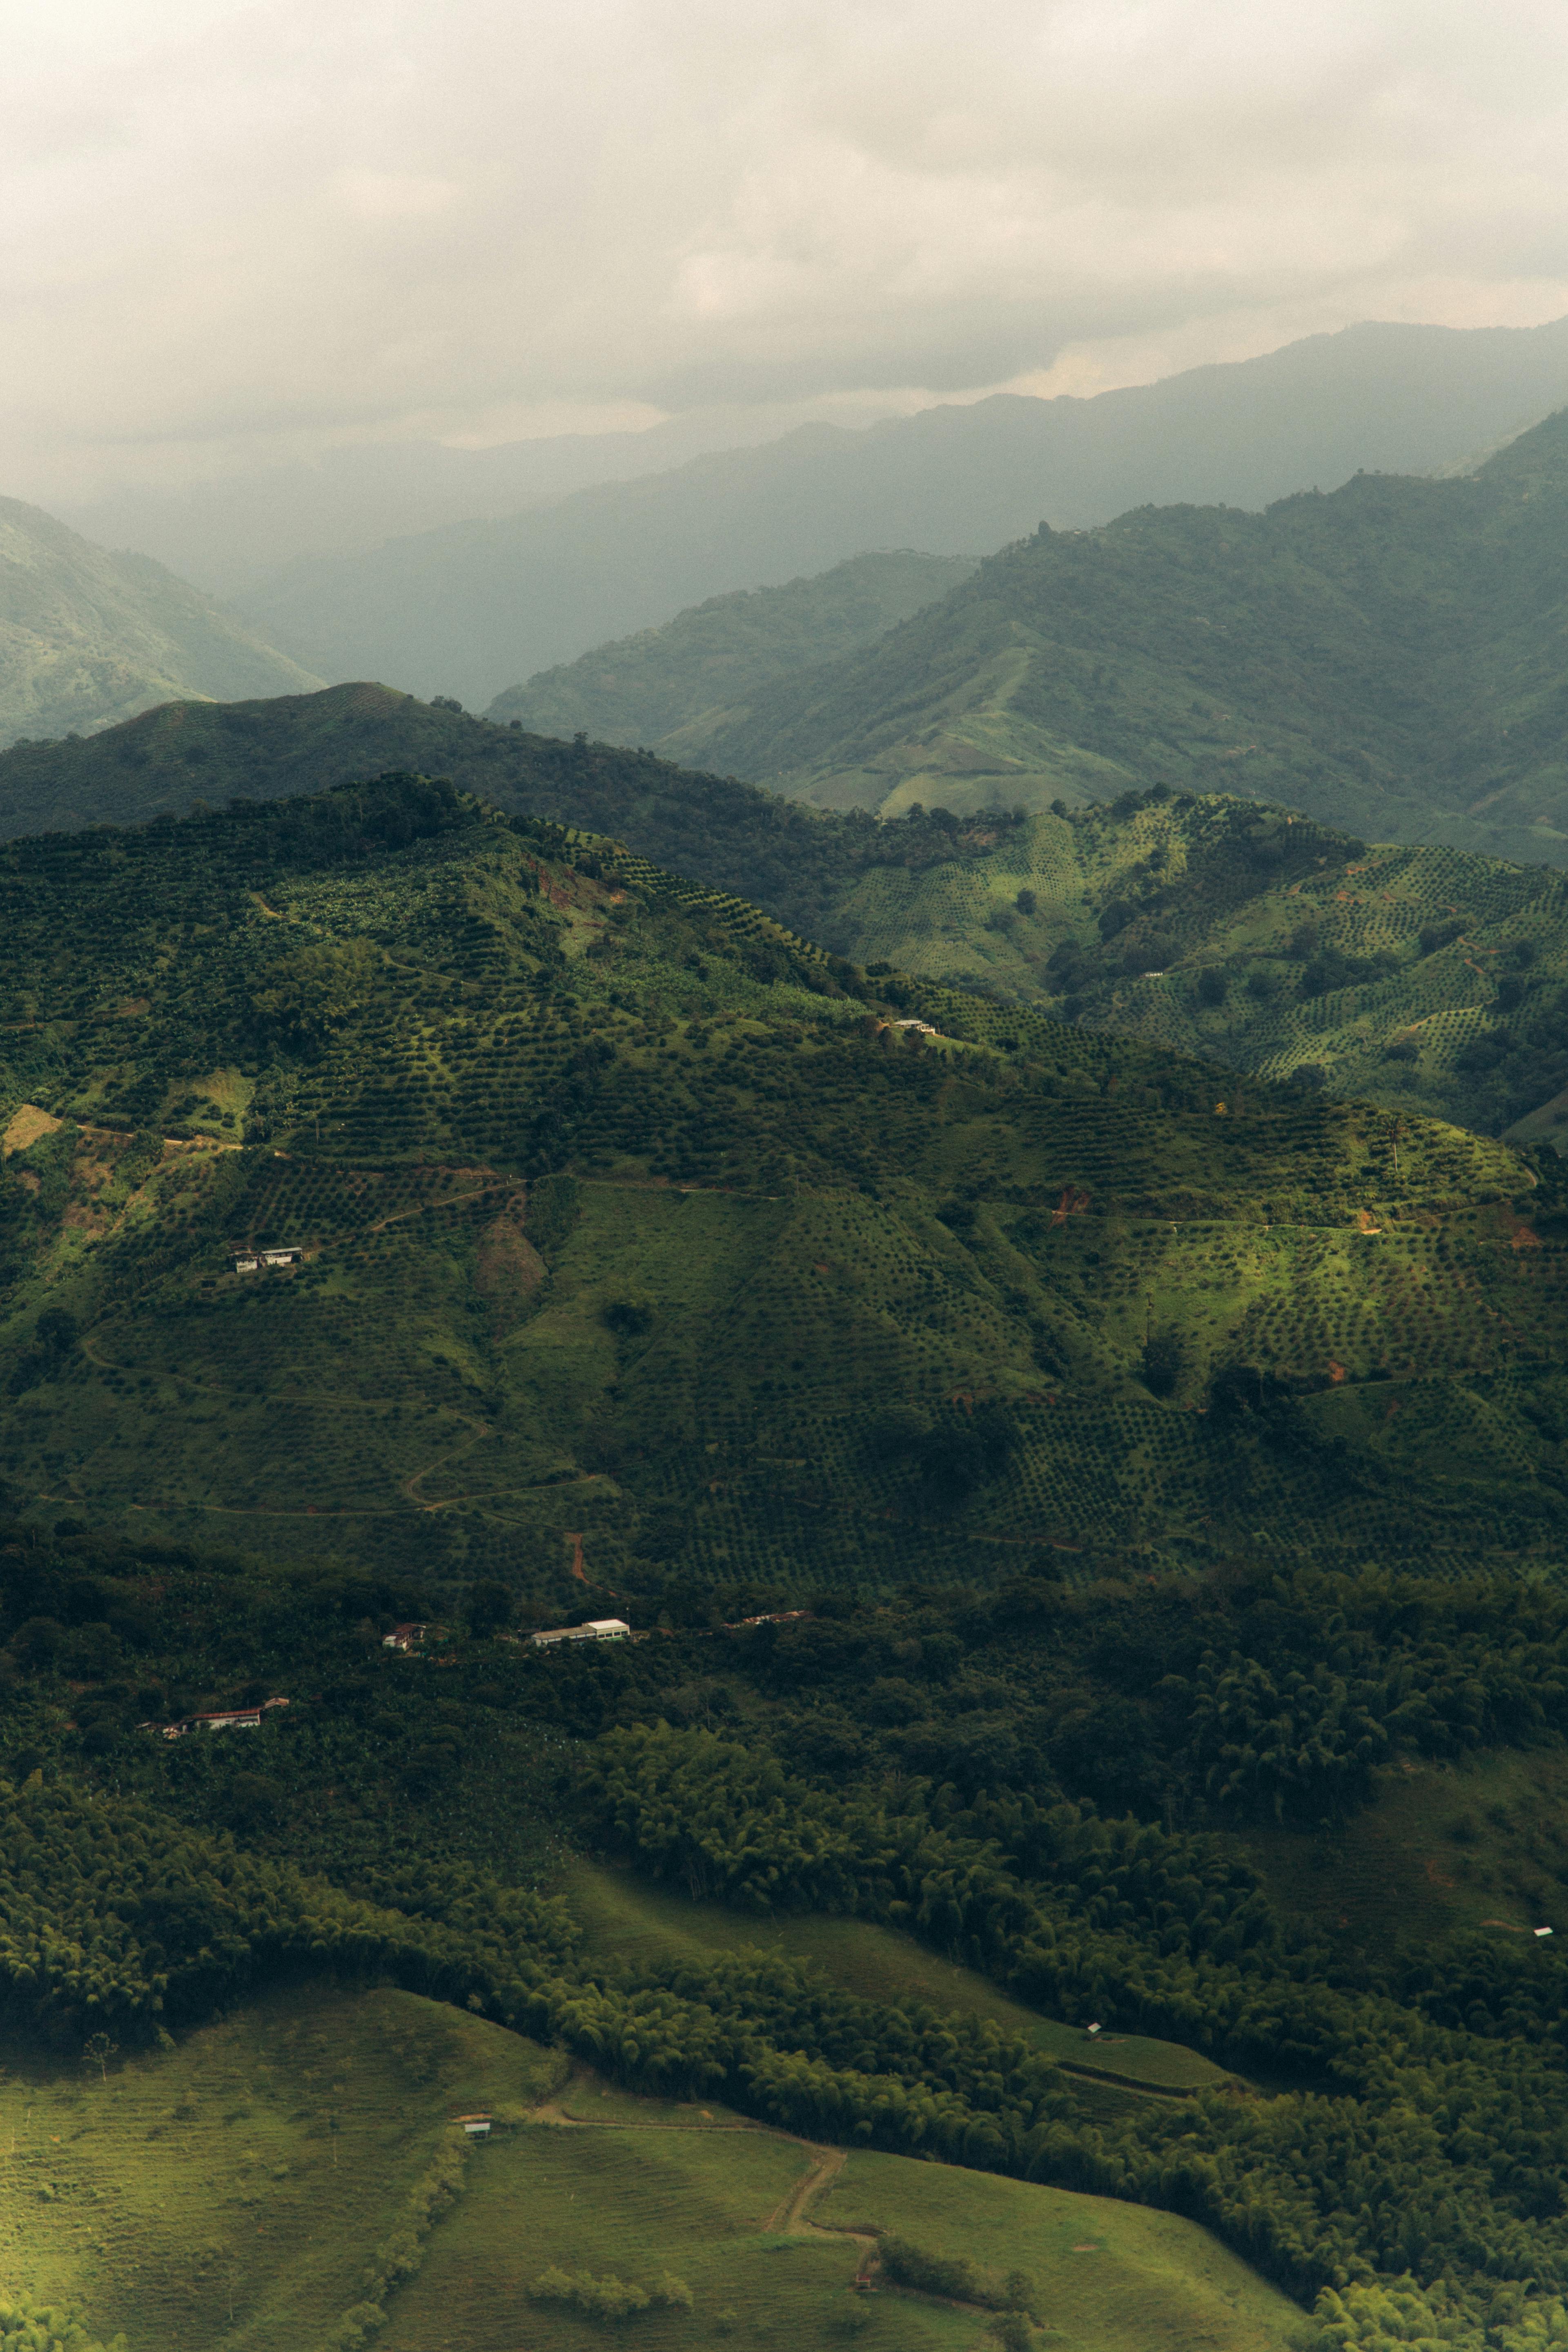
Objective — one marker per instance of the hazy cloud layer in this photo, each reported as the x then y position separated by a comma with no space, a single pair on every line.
231,231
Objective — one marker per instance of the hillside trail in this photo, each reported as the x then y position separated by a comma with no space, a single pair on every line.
789,2218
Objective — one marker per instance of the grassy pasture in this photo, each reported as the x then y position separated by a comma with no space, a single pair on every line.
1109,2275
230,2192
1478,1842
625,1914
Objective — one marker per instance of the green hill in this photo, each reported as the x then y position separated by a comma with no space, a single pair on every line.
670,687
629,1221
1148,1815
1386,659
88,638
1423,979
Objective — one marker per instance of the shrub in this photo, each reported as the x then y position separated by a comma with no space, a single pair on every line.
610,2297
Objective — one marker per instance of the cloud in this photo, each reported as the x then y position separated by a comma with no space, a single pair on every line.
234,228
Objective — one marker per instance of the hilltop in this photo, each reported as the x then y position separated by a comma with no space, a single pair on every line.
88,637
670,687
472,608
627,1213
1386,658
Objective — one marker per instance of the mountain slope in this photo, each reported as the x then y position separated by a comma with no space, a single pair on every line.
1387,659
620,1213
88,637
1420,978
1318,968
470,610
670,687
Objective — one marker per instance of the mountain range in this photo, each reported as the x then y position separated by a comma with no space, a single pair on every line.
474,608
88,637
1386,658
1427,979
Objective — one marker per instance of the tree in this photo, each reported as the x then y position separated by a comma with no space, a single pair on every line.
490,1609
97,2051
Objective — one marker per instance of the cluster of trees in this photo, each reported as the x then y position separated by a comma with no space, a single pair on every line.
610,2297
28,2327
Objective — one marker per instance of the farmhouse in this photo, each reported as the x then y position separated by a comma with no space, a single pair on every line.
404,1637
282,1257
598,1629
476,2127
245,1261
251,1261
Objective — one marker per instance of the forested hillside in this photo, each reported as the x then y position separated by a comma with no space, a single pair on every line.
1169,1476
628,1217
670,687
88,637
1386,659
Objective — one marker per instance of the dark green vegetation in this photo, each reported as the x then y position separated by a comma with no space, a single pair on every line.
890,1778
1387,659
795,862
88,637
1171,1489
670,687
630,1223
471,609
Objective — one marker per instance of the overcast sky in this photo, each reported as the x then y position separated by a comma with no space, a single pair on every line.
235,229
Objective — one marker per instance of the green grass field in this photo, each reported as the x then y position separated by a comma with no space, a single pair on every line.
229,2194
231,2190
625,1914
1478,1842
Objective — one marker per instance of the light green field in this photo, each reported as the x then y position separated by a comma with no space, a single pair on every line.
1109,2275
230,2192
769,2234
624,1913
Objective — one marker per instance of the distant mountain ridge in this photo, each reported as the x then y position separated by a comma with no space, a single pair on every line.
670,689
472,609
1387,659
88,637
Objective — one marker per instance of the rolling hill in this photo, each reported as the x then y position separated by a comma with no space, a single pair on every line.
1423,979
670,687
88,638
1091,1535
1386,659
470,609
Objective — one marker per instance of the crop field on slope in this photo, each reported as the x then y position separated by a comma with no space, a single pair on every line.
1425,979
228,2194
1450,1846
632,1229
232,2193
722,2209
625,1914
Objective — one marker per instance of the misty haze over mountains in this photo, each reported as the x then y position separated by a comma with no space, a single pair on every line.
477,607
460,572
549,563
